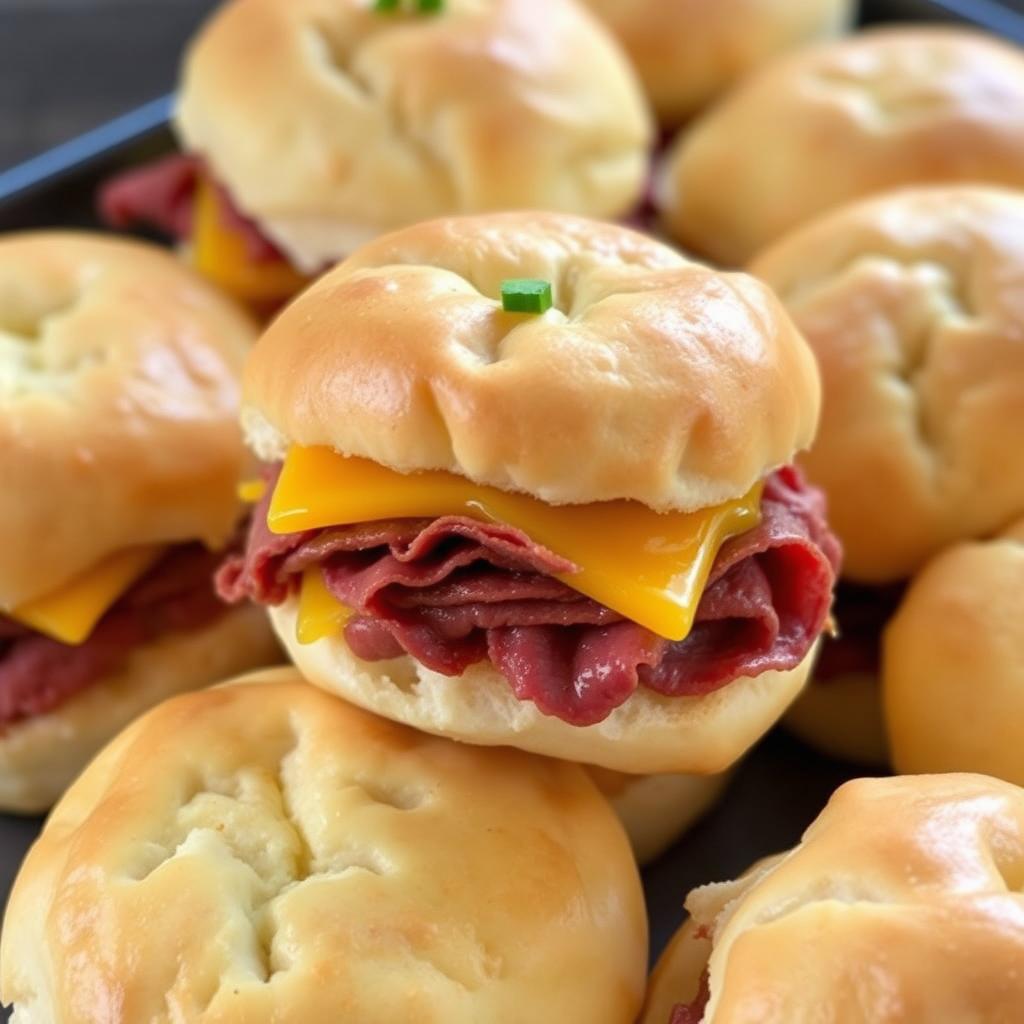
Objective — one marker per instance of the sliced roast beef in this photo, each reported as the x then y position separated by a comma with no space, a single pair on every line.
452,591
693,1013
38,673
161,196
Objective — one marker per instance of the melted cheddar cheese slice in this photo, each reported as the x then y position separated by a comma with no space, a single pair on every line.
650,567
219,254
70,614
321,614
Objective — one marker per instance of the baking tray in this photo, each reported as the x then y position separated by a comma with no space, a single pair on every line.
780,787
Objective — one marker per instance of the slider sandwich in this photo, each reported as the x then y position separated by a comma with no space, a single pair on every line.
901,904
912,304
308,127
887,108
263,852
121,454
529,481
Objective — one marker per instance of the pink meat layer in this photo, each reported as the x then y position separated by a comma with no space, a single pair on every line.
161,196
38,674
452,591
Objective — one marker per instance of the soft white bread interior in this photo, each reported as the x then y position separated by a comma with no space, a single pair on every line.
688,52
913,305
40,756
119,392
902,903
648,734
883,109
263,851
682,386
330,122
953,663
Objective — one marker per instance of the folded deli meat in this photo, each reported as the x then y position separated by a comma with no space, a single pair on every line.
163,196
38,672
453,591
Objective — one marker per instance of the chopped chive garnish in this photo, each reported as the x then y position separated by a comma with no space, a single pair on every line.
525,295
385,5
429,6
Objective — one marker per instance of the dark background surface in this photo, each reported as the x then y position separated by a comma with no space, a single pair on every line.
68,65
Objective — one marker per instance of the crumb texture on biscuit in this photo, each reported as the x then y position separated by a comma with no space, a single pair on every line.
884,109
912,303
682,386
263,851
902,902
119,392
330,122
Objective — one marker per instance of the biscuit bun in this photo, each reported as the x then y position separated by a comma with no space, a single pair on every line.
331,123
403,355
262,851
953,668
40,756
118,406
901,903
656,809
912,304
687,52
884,109
648,734
842,717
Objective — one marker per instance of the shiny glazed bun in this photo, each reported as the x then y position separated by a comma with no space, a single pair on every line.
648,734
884,109
689,51
403,355
901,904
953,669
656,809
262,851
118,406
330,122
41,755
914,306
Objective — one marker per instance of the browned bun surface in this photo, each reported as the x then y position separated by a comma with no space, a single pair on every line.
263,851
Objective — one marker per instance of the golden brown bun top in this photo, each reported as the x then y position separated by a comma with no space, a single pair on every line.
689,51
914,306
953,662
884,109
331,123
901,905
264,851
651,378
118,406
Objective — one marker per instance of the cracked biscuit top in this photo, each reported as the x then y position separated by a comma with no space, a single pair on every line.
266,852
330,122
902,904
651,378
914,306
119,392
883,109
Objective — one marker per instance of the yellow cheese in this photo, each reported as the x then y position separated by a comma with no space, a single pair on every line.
219,253
252,491
321,614
70,613
650,567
